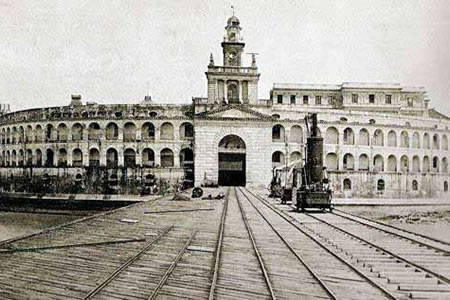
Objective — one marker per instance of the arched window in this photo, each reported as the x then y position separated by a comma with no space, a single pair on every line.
112,131
20,158
112,158
21,134
426,141
296,157
278,133
129,158
331,161
404,163
278,159
62,133
348,162
444,165
29,134
416,164
415,185
77,158
148,157
444,142
38,158
129,132
167,160
445,186
332,136
186,157
392,139
378,163
94,157
363,162
404,139
14,135
416,141
347,184
426,164
49,158
349,136
233,92
49,132
148,131
8,158
62,158
29,157
436,164
94,133
167,131
77,132
296,135
392,163
186,131
378,138
380,185
436,143
363,139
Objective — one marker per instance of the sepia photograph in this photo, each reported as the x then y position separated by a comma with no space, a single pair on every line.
290,149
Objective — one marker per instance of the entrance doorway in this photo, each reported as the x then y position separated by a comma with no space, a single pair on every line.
232,161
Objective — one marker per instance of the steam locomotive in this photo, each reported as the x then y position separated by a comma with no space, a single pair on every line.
314,190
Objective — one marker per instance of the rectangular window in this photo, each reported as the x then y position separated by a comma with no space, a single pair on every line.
371,99
305,99
280,99
318,100
355,98
388,99
292,99
330,100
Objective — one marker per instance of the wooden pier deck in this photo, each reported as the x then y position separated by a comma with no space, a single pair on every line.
234,248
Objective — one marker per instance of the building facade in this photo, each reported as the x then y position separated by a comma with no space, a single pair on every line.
381,139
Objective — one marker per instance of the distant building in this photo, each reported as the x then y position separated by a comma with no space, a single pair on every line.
381,139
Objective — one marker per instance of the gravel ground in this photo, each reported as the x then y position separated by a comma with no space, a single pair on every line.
433,221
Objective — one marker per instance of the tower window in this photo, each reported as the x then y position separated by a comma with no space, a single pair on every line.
280,99
318,100
292,99
388,99
305,99
410,102
330,100
371,99
355,98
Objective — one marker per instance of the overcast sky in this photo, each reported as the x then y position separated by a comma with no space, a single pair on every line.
113,51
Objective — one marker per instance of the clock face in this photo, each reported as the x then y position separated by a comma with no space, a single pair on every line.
232,55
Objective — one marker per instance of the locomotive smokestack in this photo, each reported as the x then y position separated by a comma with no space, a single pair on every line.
314,128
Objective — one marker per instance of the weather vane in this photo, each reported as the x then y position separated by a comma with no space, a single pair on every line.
232,8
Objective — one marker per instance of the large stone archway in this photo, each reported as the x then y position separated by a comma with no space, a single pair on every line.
232,161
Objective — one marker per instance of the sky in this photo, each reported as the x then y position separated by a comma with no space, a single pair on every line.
112,51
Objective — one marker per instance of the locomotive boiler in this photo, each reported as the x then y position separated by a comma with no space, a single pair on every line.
314,190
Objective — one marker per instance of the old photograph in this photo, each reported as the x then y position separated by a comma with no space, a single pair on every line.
224,149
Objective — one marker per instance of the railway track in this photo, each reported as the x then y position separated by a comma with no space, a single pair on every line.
315,270
421,239
407,264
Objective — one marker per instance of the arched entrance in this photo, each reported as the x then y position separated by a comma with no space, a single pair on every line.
232,161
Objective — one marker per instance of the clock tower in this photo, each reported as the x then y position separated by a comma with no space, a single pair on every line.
232,83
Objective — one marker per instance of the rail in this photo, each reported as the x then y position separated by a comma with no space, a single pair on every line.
424,269
295,223
255,248
218,250
125,265
310,270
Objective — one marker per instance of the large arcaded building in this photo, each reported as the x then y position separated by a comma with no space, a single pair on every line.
381,139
